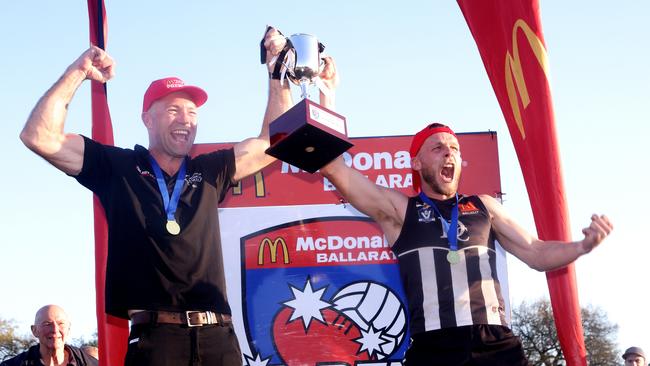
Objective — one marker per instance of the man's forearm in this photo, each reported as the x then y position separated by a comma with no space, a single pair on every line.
43,131
279,101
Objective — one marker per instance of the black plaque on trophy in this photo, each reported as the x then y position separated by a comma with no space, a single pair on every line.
308,136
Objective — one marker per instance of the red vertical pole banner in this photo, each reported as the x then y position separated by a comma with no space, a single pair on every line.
112,332
509,37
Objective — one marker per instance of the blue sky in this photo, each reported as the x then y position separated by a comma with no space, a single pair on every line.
401,66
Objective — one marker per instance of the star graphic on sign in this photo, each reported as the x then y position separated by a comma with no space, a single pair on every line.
257,361
371,341
307,304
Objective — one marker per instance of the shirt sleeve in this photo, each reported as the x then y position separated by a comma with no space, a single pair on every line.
219,169
97,168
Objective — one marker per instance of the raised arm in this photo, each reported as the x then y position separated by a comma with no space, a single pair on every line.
539,254
386,206
250,155
44,131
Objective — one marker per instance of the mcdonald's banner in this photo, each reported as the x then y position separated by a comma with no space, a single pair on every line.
509,37
311,281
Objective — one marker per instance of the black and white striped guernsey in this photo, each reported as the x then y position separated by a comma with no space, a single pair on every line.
441,294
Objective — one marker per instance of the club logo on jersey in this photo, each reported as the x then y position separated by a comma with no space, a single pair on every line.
144,173
467,208
191,181
425,213
194,179
323,291
461,232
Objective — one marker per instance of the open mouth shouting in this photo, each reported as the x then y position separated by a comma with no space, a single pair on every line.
447,172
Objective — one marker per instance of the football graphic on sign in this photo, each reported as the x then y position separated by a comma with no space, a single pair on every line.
374,330
323,291
375,309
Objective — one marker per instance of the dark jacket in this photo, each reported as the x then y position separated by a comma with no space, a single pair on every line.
32,357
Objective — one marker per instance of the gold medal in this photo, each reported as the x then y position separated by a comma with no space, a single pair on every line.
453,257
173,227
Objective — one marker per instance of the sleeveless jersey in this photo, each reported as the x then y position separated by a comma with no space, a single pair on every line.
441,294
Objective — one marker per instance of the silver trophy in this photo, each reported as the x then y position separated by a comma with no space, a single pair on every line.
308,135
303,61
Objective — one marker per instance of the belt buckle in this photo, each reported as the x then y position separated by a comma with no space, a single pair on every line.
188,320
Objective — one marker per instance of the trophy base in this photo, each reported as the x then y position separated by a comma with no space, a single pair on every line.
308,136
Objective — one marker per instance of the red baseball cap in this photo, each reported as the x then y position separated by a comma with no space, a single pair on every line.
162,87
418,141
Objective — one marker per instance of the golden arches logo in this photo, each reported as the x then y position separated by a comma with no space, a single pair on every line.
273,246
260,190
514,70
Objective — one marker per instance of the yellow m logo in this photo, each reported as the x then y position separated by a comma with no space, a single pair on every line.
273,246
514,70
260,191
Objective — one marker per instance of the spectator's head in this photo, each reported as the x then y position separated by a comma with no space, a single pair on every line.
51,327
634,356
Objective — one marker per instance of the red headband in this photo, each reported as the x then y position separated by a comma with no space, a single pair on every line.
420,137
416,145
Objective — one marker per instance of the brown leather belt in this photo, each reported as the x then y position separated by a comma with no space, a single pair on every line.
187,318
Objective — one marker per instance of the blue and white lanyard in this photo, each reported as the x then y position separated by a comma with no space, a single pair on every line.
170,203
450,229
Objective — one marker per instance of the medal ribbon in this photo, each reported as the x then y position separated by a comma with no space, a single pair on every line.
452,236
170,203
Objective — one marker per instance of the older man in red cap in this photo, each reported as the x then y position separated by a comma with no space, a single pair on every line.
445,244
164,270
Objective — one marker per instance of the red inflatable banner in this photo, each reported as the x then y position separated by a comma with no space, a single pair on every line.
509,38
112,332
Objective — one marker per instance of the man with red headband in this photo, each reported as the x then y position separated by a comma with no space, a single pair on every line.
164,269
447,256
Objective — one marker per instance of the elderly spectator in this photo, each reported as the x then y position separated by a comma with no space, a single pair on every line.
634,356
51,327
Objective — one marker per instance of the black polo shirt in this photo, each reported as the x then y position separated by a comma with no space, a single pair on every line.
148,268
